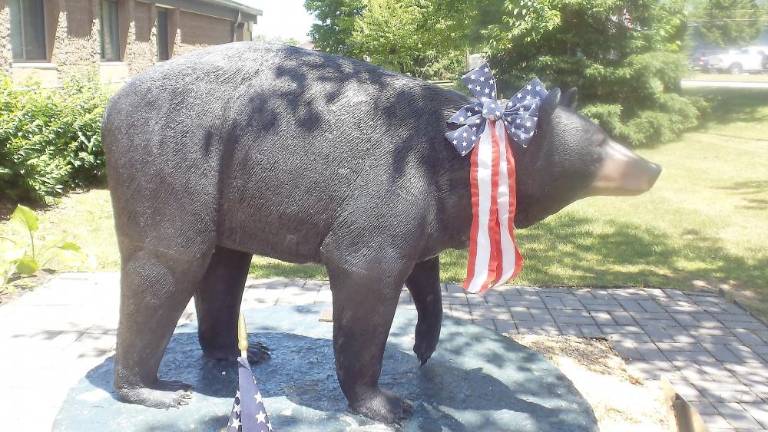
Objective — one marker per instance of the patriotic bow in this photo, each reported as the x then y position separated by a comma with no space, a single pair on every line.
519,115
493,254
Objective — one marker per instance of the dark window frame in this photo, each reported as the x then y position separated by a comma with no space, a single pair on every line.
109,31
163,38
21,25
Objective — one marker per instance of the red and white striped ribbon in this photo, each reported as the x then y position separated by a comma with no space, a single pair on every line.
493,254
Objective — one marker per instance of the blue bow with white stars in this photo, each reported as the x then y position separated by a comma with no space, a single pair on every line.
520,114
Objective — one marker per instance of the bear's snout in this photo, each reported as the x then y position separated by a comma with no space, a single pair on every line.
623,172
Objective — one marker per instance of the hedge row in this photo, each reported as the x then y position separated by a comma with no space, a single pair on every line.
50,139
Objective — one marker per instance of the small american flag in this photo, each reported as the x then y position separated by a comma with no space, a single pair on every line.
248,412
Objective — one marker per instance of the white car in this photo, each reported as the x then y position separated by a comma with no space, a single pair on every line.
736,61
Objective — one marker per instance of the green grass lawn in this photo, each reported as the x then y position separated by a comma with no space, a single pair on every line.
704,225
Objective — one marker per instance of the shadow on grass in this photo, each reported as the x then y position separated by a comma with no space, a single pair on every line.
747,191
750,187
567,251
728,105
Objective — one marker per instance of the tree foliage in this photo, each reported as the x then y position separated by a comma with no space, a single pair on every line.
730,22
417,37
624,55
625,58
335,23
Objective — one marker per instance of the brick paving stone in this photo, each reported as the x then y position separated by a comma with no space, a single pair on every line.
716,422
698,357
571,330
591,331
495,299
455,298
487,323
722,353
651,369
633,337
704,407
623,318
491,312
572,317
651,306
737,415
616,329
600,305
650,351
687,390
748,337
631,305
521,314
602,318
528,301
552,302
506,327
661,316
744,353
536,328
759,411
459,311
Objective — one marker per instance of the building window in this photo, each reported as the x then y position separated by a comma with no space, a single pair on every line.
110,36
27,30
162,35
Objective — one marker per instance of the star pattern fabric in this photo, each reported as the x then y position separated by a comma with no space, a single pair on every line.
520,114
248,412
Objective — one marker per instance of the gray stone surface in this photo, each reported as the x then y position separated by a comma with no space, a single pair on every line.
478,380
70,323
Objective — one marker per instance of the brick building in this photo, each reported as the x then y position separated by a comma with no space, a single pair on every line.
48,39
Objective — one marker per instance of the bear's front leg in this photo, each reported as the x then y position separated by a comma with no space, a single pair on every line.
364,302
424,285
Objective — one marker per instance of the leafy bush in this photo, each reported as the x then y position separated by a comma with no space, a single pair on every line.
50,139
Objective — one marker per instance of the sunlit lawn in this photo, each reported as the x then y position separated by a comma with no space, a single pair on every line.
704,225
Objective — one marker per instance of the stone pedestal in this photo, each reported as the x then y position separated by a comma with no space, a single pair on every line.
477,380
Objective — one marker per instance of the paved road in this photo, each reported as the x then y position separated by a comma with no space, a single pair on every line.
713,352
723,84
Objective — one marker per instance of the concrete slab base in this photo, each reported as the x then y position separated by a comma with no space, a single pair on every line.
477,380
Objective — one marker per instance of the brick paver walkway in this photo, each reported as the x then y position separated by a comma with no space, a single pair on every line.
713,352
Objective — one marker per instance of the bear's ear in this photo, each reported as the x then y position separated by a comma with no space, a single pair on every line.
549,104
570,98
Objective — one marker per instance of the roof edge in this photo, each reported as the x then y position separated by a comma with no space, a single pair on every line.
237,5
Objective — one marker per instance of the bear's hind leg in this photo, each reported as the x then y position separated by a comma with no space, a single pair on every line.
156,286
217,302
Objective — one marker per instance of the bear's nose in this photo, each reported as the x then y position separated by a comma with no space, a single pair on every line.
623,172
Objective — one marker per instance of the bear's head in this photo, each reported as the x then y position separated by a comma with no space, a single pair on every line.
570,158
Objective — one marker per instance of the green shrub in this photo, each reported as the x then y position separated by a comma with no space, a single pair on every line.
628,75
50,139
